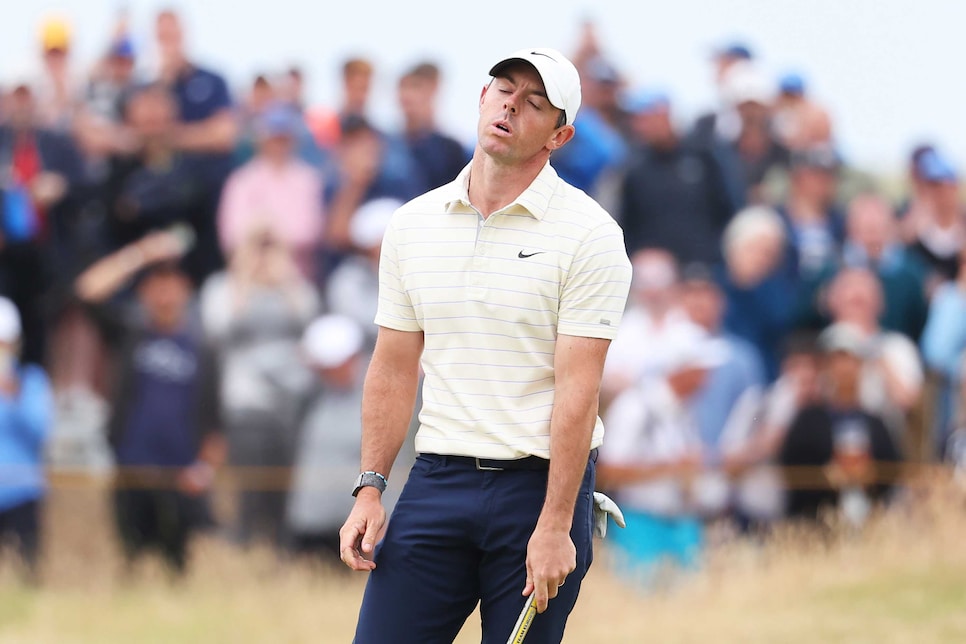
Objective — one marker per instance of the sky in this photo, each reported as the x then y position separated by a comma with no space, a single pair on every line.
882,67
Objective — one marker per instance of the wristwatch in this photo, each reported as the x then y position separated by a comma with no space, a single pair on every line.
370,479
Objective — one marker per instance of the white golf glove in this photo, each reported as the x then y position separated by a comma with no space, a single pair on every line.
604,506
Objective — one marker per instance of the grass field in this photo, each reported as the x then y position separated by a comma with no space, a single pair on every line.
903,579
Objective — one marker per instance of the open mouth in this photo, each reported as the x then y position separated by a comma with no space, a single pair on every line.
502,126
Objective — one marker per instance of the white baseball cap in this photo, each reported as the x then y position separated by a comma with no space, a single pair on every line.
368,225
330,340
10,329
688,346
560,77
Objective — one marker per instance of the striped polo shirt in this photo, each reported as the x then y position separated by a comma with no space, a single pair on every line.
490,296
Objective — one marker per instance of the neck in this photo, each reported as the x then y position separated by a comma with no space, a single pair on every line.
494,185
803,208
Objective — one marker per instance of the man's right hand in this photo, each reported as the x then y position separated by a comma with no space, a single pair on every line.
358,536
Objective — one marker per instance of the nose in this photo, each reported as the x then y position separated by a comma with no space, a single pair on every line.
510,103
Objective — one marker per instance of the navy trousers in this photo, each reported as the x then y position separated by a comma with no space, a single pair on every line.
457,537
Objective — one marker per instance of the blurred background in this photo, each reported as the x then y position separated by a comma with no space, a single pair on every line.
192,201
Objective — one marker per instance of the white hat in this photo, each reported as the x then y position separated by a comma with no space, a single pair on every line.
9,321
843,337
560,77
745,83
369,223
689,346
331,340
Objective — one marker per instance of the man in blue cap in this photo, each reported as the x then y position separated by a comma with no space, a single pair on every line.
674,194
940,230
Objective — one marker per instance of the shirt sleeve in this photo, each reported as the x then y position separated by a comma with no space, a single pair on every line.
595,291
395,309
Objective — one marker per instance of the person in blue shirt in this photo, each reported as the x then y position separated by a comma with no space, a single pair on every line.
26,415
164,427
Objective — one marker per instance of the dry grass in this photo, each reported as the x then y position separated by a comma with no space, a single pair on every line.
901,580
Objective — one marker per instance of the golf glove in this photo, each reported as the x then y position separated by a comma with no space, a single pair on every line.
604,506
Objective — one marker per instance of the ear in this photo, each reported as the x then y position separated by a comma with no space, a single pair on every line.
560,137
483,94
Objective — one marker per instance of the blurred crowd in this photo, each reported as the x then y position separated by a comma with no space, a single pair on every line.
189,279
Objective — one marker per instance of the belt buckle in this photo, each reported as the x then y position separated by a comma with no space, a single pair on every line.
483,468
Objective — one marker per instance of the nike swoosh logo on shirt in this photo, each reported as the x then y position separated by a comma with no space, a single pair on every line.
521,254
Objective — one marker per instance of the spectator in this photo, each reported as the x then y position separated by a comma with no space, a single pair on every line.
816,226
873,242
652,453
439,157
44,188
892,376
275,191
725,407
254,314
944,347
800,122
164,427
760,293
261,96
759,494
724,124
674,193
158,185
207,126
844,445
940,229
57,88
25,421
373,166
653,311
333,348
357,76
756,148
352,290
598,147
915,208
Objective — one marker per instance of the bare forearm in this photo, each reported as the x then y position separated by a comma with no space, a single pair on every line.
216,134
571,429
387,406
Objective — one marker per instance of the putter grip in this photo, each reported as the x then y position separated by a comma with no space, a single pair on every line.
524,620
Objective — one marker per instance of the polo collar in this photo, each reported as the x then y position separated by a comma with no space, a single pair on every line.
534,201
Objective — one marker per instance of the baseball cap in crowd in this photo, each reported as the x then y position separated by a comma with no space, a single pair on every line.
643,101
330,340
369,223
734,49
123,48
278,120
55,34
792,83
602,70
935,168
689,346
560,77
10,329
745,83
820,156
842,337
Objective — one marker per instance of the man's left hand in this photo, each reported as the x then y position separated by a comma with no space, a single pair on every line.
551,556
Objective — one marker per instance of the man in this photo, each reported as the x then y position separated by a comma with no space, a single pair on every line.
837,435
674,194
25,422
506,287
43,190
816,225
599,145
800,122
939,231
164,428
439,157
207,125
654,453
275,190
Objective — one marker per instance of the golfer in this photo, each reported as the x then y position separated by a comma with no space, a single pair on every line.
506,286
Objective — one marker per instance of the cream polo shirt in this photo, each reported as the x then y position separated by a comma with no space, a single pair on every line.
490,296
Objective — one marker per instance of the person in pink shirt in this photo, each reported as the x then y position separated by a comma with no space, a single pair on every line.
275,191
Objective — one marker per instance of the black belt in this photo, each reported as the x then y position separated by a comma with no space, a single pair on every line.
528,463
